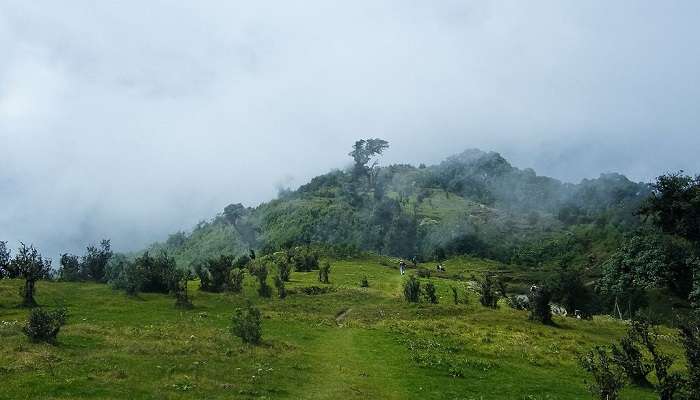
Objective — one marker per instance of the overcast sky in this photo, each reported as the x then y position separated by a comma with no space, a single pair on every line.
134,119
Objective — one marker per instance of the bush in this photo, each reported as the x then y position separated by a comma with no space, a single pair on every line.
155,273
260,272
43,326
246,324
364,282
644,332
279,284
323,272
608,379
490,291
236,277
214,273
304,259
284,270
430,293
630,358
411,289
539,304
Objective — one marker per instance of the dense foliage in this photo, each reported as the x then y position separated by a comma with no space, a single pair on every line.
43,325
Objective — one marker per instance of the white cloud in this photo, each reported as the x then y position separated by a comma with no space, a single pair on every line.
131,119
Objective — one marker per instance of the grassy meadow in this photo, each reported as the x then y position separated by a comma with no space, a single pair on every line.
348,343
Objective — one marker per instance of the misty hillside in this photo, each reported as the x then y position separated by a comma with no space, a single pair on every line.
473,203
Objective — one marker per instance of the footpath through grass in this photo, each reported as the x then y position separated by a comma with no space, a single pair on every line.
349,343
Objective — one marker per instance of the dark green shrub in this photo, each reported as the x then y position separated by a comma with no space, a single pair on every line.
411,289
132,278
156,273
259,270
429,292
246,323
43,326
608,379
214,273
540,309
284,270
630,358
364,282
304,259
669,383
236,277
490,291
279,284
323,272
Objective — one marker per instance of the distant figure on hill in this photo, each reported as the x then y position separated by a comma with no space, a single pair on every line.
440,268
402,267
414,260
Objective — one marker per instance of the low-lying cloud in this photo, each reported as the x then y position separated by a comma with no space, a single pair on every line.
130,120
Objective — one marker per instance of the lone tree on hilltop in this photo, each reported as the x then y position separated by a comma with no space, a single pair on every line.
362,152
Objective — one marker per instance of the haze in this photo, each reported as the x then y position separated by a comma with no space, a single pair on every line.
131,120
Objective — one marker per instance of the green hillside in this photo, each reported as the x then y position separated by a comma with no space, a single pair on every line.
349,343
473,203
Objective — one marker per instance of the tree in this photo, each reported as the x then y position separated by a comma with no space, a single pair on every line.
259,270
233,212
279,284
94,262
429,292
631,359
30,266
674,205
4,259
324,272
608,379
538,300
214,274
70,268
362,152
669,382
647,260
491,289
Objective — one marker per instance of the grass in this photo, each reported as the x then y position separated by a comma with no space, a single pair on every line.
349,343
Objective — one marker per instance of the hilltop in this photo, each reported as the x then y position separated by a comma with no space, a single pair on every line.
473,203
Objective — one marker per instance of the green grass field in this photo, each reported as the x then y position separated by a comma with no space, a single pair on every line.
350,343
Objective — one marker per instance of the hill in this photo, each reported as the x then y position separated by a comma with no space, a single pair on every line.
473,203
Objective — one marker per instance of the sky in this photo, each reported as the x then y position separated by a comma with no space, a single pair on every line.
130,120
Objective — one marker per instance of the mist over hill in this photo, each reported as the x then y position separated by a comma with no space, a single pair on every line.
474,202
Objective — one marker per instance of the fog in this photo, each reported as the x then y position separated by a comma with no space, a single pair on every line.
130,120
